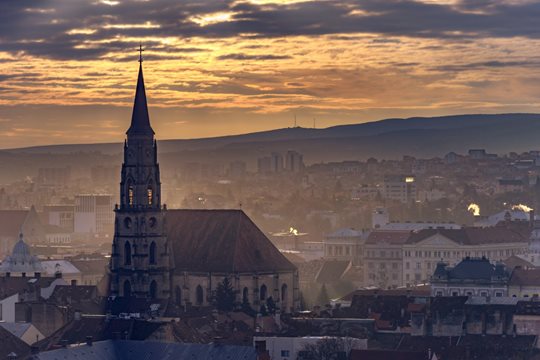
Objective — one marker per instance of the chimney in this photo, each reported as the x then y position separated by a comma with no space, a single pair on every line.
531,218
89,340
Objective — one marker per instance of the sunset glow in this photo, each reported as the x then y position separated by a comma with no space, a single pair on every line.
222,67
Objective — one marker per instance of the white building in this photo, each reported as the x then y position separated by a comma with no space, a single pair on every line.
287,348
424,249
400,188
93,214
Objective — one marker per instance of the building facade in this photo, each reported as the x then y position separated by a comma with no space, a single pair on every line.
181,256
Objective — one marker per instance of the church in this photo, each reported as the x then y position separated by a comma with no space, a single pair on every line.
179,257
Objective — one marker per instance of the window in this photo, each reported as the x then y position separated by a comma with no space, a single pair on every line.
153,289
439,293
131,195
127,253
127,288
178,295
152,255
285,353
149,195
245,296
284,292
199,294
263,292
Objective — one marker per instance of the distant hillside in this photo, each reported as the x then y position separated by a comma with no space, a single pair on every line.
506,132
385,139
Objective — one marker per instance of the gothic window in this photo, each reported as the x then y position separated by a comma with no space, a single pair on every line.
152,257
245,296
131,195
127,253
153,289
127,288
199,293
150,194
263,292
178,296
284,292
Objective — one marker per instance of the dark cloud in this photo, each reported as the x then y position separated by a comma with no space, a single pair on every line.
240,56
45,28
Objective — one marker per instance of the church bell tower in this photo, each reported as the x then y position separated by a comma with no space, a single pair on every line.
140,263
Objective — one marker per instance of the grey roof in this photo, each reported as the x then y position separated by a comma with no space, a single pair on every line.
16,328
140,121
139,350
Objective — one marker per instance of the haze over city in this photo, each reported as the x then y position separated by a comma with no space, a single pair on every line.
269,180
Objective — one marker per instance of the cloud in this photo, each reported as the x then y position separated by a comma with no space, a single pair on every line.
65,29
263,57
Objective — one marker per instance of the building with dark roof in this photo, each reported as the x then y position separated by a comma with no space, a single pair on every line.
135,350
179,257
424,249
470,277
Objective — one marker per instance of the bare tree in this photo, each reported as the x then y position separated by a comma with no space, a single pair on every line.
328,349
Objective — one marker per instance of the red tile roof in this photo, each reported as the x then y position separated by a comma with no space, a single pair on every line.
471,235
525,277
388,236
221,241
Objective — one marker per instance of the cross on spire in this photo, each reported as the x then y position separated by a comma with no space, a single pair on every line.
140,52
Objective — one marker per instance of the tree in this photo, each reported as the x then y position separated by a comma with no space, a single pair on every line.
225,295
271,305
323,297
329,349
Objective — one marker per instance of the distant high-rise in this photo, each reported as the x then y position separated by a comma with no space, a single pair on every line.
294,161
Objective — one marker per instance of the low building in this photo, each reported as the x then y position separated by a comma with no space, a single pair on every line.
383,258
286,348
424,249
471,277
524,283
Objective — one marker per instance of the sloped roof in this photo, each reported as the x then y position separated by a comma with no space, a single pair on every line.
515,261
525,277
140,121
135,350
391,237
471,235
10,343
386,355
221,241
332,271
11,222
472,268
14,285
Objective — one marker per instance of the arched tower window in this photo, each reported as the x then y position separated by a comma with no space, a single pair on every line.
284,292
127,288
152,257
263,292
199,294
131,195
150,195
178,296
153,289
127,253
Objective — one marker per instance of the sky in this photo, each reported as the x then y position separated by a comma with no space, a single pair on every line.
68,67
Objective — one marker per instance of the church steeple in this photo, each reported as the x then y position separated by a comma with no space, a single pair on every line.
140,121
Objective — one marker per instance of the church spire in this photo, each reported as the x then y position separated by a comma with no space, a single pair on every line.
140,121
